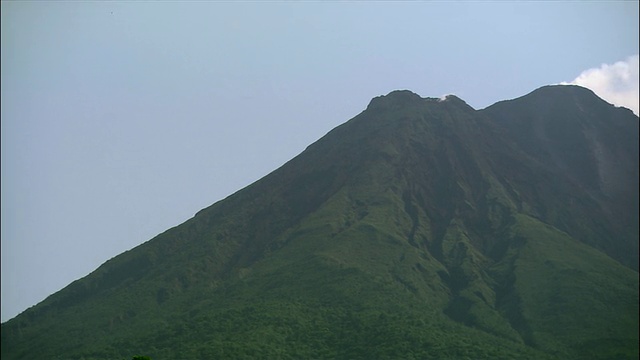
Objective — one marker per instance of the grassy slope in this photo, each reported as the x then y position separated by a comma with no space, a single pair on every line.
574,297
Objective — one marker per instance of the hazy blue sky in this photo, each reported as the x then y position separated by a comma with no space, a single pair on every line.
123,119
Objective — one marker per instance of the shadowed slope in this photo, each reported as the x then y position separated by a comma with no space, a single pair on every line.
591,148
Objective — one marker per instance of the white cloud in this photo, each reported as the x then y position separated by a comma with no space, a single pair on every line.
616,83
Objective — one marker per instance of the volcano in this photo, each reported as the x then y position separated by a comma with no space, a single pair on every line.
421,228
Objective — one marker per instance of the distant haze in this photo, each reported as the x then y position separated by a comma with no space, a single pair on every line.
123,119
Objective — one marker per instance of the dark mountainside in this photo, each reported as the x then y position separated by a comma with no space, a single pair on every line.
419,229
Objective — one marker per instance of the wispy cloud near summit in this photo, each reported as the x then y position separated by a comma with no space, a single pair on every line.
617,83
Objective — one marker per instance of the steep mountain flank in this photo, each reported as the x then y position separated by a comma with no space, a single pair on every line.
592,148
421,228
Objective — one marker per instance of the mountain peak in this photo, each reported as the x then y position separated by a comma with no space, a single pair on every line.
555,97
581,95
462,233
396,97
404,94
402,98
564,89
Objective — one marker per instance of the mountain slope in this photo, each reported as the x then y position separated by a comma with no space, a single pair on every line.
594,148
421,228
